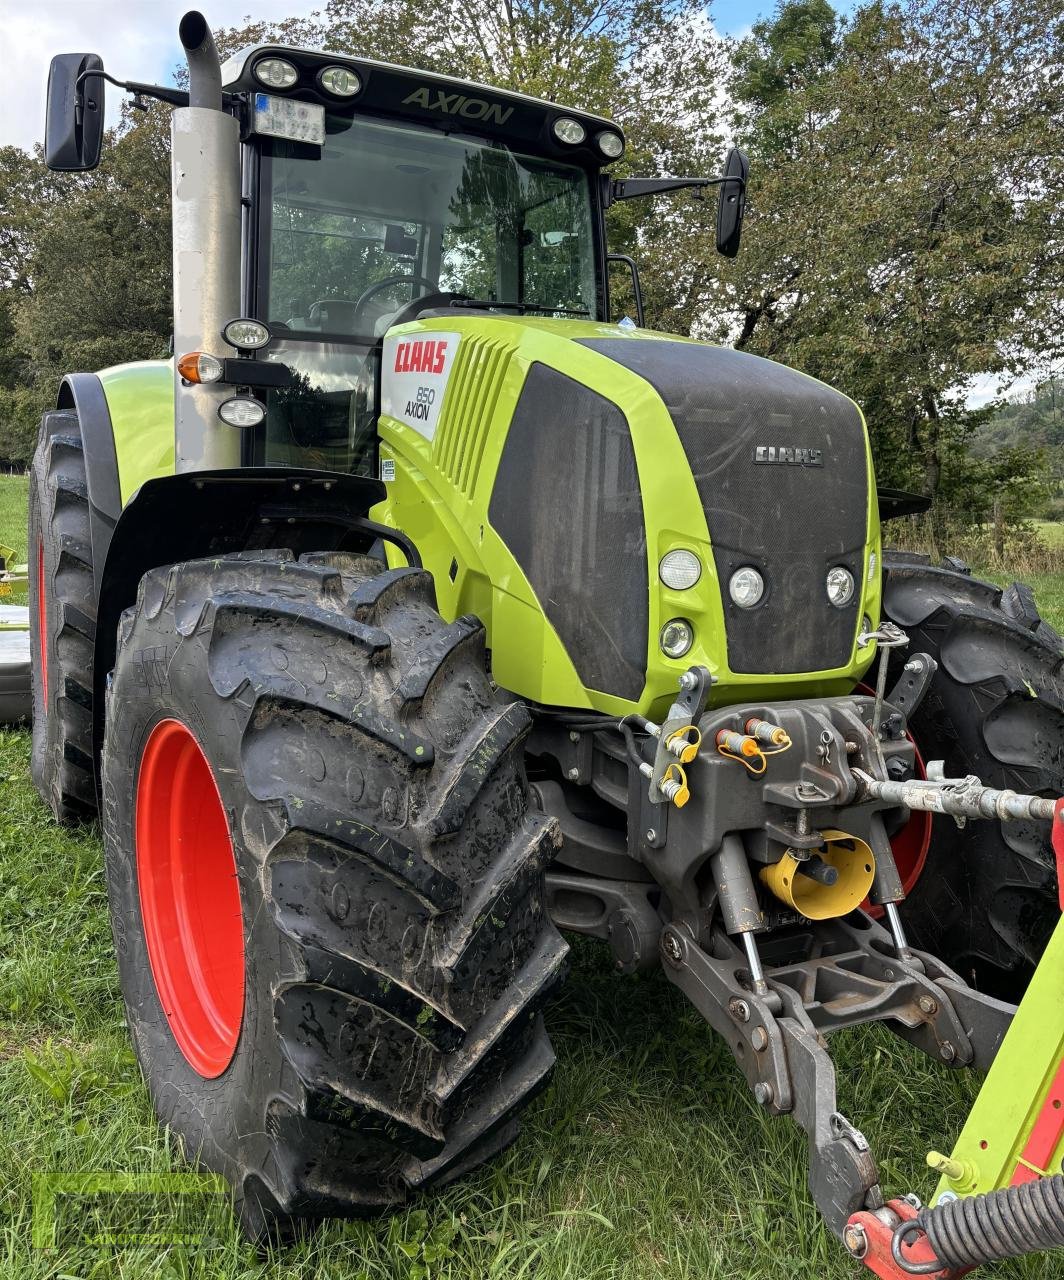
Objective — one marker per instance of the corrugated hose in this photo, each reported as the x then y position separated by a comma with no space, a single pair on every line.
976,1229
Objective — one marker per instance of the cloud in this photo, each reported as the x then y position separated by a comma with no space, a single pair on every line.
137,40
988,386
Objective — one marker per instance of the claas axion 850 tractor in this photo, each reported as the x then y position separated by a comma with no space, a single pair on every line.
415,611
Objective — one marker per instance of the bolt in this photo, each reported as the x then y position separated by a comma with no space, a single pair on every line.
855,1240
913,665
652,835
948,1052
852,748
759,1039
739,1009
927,1004
913,1200
763,1093
688,680
574,775
573,736
670,946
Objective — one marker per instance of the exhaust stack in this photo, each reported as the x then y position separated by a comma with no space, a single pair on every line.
205,172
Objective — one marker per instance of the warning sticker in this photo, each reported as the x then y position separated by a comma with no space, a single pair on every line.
414,373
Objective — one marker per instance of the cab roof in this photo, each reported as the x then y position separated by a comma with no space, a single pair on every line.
428,98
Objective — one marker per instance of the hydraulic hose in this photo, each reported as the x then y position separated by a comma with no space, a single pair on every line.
977,1229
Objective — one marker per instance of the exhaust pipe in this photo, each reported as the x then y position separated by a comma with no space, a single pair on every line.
205,160
204,68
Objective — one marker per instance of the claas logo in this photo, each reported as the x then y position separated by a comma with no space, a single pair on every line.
421,356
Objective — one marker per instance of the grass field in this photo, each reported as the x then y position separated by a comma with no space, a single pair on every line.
646,1158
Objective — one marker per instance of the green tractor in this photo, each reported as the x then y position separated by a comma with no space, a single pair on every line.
415,611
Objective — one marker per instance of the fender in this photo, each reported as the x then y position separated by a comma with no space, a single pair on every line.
83,392
213,513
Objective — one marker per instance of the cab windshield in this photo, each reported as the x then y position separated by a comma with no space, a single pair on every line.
388,214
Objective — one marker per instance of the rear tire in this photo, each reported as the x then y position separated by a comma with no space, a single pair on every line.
986,901
390,878
62,599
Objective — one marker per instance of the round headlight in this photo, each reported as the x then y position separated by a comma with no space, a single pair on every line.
242,411
676,638
199,366
680,569
566,129
275,73
840,586
248,335
611,144
341,81
746,587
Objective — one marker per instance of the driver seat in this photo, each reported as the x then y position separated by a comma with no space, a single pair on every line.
334,315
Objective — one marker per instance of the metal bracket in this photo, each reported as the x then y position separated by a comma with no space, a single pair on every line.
685,711
913,683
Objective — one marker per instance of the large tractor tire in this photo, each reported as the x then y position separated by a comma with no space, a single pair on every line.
326,885
62,601
986,898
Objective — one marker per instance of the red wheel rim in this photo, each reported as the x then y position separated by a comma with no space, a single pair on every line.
190,898
42,619
912,842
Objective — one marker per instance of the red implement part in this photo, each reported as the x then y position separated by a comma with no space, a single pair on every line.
1058,847
1044,1136
878,1227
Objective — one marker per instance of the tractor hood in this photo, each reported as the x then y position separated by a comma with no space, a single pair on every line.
579,454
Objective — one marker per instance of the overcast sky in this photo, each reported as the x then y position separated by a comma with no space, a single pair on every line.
137,40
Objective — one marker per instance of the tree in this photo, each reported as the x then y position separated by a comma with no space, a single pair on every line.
905,232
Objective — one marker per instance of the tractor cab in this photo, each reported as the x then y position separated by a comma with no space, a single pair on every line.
378,194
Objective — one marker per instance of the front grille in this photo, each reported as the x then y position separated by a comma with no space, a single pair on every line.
567,503
792,522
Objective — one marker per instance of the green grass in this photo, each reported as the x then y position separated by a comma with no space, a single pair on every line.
647,1158
13,526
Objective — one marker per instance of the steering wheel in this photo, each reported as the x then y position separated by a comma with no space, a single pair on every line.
389,282
411,310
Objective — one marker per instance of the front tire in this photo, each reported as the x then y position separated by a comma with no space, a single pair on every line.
986,900
374,1002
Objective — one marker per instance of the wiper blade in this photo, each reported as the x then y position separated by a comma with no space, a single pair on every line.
515,306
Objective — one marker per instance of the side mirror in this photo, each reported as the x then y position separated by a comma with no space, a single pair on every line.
73,123
731,203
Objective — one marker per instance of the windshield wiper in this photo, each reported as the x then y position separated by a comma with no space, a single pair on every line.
515,306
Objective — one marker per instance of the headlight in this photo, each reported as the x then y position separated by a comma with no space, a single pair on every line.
680,569
248,335
746,587
242,411
341,81
840,586
199,366
566,129
611,144
676,638
276,73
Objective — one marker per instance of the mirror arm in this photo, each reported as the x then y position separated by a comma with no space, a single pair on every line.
627,188
162,93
